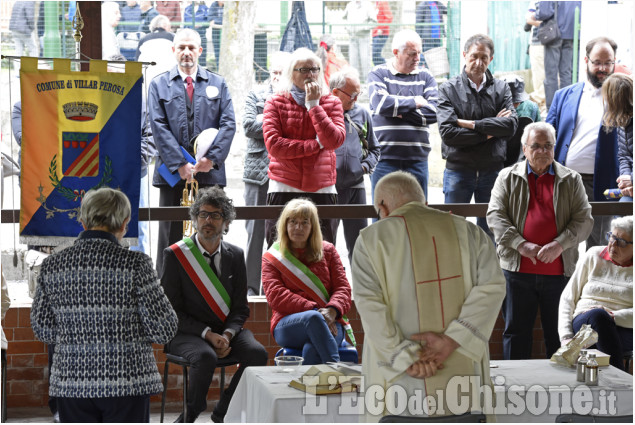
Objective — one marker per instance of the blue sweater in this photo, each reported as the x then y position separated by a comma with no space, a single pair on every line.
392,95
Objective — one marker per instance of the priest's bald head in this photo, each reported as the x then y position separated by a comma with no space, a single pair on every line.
396,189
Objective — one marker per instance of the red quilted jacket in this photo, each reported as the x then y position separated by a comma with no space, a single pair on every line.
285,300
290,130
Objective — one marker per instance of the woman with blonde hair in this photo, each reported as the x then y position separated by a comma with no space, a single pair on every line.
617,92
306,286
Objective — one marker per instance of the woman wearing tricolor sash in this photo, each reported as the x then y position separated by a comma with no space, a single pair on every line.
306,286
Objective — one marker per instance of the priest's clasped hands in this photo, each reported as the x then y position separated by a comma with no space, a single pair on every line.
436,349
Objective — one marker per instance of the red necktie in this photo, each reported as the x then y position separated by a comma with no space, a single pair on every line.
190,87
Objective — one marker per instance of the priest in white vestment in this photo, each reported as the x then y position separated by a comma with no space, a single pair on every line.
428,287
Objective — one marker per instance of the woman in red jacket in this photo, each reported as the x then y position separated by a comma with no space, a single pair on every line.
302,125
306,286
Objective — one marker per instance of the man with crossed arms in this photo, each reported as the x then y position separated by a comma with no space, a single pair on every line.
205,279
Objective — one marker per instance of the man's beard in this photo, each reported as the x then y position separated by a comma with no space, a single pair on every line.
594,80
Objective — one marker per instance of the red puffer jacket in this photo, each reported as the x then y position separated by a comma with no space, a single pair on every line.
285,299
295,157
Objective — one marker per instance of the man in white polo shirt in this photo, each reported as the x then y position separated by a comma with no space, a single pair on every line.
583,144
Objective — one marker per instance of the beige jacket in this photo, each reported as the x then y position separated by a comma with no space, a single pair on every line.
507,212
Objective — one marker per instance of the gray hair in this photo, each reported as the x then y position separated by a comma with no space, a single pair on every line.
539,127
187,33
160,21
105,207
398,188
300,55
404,37
623,223
479,39
216,197
279,60
338,80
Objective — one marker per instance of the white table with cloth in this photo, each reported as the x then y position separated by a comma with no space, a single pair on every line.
526,391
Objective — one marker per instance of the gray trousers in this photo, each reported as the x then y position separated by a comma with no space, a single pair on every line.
558,64
255,194
352,226
601,223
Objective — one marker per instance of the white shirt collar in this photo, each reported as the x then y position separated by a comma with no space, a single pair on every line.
591,89
478,86
203,250
184,75
394,71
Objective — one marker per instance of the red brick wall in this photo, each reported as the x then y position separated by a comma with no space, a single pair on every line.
27,367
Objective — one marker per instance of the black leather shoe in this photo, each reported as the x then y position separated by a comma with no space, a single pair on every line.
217,419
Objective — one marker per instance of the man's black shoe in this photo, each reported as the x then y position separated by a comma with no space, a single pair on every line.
217,419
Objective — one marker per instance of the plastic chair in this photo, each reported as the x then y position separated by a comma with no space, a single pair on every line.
348,353
184,364
465,418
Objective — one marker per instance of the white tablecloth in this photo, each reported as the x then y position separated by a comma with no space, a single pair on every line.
264,395
526,391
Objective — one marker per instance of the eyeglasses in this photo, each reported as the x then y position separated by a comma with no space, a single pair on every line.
214,215
276,72
307,70
295,222
619,241
535,146
599,64
353,96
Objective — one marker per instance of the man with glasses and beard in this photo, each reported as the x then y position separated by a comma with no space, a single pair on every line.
206,282
583,144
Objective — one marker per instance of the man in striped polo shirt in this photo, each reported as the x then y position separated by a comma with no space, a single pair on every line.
403,100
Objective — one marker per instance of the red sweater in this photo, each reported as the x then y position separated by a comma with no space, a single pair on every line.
384,16
290,130
285,300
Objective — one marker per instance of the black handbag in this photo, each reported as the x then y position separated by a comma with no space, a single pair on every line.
549,32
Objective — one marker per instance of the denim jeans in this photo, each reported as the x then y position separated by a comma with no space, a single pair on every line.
308,331
558,66
386,166
525,293
612,339
379,41
459,186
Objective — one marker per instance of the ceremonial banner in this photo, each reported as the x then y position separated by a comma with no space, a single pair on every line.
80,131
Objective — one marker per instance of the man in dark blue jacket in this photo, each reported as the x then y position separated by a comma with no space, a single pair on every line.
183,102
558,54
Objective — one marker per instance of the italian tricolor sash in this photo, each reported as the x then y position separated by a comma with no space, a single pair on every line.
304,279
203,276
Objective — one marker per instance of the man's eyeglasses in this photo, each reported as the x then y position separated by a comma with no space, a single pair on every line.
214,215
307,70
535,146
599,64
353,96
619,241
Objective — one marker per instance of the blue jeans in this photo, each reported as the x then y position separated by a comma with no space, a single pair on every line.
419,169
459,186
558,66
308,331
612,339
379,41
143,244
525,293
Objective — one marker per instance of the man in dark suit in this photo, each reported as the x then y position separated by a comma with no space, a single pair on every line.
205,279
182,103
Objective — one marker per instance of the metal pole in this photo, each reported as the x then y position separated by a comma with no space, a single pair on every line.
52,45
576,42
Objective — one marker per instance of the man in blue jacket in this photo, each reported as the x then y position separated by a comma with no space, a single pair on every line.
183,102
583,144
558,54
